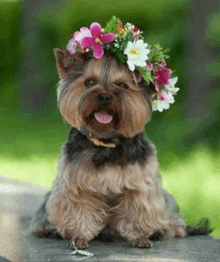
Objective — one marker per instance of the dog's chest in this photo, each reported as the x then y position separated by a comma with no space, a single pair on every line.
129,151
131,165
110,180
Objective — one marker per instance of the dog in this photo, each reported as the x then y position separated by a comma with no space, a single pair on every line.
108,170
108,184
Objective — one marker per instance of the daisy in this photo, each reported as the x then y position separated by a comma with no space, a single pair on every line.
137,54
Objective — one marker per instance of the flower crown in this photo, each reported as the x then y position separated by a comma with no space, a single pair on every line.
127,43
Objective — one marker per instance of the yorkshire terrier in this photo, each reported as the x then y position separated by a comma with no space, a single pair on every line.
108,179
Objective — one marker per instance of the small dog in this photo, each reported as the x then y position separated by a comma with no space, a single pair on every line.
108,184
108,179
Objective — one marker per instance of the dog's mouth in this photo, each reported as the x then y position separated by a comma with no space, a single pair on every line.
103,117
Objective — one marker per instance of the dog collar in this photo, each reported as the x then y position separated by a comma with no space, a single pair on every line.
98,142
110,141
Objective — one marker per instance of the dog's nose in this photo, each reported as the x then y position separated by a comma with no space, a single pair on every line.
105,98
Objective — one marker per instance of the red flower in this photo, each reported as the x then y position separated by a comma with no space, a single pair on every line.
136,29
162,77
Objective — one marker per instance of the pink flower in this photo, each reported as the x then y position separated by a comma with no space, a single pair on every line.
84,32
162,77
164,96
149,67
71,46
96,40
77,38
162,100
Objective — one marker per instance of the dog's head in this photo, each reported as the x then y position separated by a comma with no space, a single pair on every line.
101,95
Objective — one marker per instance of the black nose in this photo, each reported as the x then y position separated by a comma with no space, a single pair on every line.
105,98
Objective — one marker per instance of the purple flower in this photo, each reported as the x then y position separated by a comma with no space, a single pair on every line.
96,40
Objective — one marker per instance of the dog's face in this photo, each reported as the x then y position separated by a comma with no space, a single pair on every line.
101,96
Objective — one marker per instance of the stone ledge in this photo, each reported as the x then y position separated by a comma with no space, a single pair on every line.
18,206
196,249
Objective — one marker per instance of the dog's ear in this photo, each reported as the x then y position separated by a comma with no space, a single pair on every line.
64,61
67,63
60,57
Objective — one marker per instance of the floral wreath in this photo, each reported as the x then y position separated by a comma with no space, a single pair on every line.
127,43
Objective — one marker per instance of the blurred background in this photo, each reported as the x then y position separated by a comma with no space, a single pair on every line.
187,135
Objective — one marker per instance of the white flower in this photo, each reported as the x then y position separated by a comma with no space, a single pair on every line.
129,26
137,54
171,85
71,46
164,97
163,100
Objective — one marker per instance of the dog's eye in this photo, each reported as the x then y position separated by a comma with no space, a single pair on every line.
122,85
89,83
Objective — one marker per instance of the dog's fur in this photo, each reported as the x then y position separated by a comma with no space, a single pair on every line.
108,177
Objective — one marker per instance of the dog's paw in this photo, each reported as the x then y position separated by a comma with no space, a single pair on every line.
142,242
78,243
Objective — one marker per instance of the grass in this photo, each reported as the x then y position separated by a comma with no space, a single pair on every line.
195,184
30,148
36,170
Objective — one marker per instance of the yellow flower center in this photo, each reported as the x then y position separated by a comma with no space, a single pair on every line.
97,40
134,52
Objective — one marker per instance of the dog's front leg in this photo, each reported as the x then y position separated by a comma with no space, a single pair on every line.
137,216
78,218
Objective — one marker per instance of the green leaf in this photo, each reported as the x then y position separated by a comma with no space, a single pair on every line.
145,74
112,24
157,54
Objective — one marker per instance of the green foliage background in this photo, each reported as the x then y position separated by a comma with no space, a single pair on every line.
30,143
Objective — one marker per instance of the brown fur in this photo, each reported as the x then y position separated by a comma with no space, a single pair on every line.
98,198
130,198
76,107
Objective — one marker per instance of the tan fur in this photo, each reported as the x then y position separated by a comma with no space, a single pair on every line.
85,199
76,102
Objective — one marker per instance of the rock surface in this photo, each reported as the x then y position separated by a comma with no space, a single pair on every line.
18,202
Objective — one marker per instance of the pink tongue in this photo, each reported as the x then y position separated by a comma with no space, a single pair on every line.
103,118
